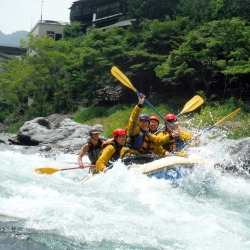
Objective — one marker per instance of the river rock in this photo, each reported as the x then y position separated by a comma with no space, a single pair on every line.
239,162
53,132
61,133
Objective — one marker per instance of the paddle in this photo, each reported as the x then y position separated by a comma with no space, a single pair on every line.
48,170
125,81
207,129
191,105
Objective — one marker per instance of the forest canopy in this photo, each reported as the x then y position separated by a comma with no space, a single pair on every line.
174,48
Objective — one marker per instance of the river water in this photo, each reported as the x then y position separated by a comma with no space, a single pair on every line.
121,209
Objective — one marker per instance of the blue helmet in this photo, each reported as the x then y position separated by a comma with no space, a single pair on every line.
144,117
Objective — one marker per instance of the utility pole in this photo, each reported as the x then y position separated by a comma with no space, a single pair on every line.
31,23
42,11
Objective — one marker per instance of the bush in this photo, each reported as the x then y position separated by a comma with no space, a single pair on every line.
90,113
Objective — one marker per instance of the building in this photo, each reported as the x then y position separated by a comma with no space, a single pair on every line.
90,13
53,29
100,13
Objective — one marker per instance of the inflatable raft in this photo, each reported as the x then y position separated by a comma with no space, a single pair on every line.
172,167
169,168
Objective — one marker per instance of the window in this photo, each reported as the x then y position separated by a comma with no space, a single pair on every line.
51,34
58,36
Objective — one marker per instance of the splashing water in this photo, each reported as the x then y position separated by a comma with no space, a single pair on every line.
121,209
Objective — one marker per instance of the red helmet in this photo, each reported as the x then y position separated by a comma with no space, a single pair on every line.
170,117
119,131
154,117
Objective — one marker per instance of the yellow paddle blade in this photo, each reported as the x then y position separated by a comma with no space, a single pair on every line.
122,78
227,117
192,104
46,170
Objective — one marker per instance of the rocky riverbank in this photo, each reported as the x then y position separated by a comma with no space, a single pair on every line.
52,133
59,133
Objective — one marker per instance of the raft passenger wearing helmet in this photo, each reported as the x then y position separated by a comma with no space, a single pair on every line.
140,140
93,148
153,129
183,136
112,150
153,123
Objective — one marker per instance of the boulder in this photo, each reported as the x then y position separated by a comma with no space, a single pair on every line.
54,132
239,152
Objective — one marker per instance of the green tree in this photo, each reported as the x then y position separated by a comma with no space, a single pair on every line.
51,59
151,9
73,30
209,58
198,10
226,9
96,55
15,84
149,47
202,11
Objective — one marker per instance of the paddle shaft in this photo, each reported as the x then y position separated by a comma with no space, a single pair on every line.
191,105
207,129
49,170
124,80
188,142
155,110
89,166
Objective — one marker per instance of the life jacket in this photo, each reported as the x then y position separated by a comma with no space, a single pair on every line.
117,147
94,151
151,131
173,144
141,143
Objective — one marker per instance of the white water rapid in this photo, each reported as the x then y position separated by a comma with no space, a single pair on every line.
206,210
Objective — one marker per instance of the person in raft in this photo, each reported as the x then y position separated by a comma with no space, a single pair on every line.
112,150
183,136
153,128
139,139
93,148
153,124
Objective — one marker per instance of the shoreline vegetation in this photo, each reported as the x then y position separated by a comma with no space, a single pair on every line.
117,116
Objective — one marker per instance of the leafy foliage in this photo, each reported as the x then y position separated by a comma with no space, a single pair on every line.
151,9
173,49
198,61
117,116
